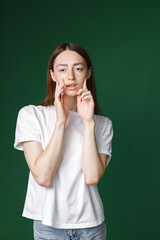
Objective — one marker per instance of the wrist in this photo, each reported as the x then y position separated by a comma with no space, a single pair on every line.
89,123
60,124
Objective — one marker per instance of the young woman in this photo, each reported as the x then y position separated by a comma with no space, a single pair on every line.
67,147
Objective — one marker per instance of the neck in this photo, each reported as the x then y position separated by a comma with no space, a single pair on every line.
72,103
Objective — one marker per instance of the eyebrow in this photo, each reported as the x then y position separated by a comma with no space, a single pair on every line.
75,64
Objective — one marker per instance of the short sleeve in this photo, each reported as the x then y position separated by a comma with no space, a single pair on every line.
104,143
27,128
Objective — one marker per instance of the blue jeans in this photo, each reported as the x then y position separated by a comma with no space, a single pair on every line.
43,232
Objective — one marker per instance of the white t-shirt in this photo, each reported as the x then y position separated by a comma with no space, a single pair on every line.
69,202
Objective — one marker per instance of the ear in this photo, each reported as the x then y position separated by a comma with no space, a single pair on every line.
52,75
89,72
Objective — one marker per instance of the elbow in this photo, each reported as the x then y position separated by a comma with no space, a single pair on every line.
43,182
92,180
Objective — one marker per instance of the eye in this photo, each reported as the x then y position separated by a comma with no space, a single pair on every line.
79,69
62,70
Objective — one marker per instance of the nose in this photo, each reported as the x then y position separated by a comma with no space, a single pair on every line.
71,74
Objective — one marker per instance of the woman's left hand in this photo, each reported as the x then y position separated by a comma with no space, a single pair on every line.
85,103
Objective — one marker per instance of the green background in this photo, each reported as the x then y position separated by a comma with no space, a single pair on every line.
123,40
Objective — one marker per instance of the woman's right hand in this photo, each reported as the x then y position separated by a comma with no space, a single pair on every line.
60,103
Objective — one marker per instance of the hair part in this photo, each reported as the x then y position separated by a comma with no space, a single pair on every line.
51,85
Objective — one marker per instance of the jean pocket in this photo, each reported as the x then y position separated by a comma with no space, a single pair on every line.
41,231
99,232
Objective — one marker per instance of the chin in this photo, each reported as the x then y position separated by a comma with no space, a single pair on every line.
71,93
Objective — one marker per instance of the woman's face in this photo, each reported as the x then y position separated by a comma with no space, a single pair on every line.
72,68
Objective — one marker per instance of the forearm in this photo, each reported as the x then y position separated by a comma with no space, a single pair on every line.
92,166
48,162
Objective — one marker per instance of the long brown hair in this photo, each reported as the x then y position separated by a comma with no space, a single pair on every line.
51,85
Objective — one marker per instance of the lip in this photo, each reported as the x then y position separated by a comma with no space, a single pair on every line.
71,88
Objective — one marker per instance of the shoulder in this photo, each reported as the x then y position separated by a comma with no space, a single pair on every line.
26,111
31,108
102,121
103,126
104,132
37,114
34,110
